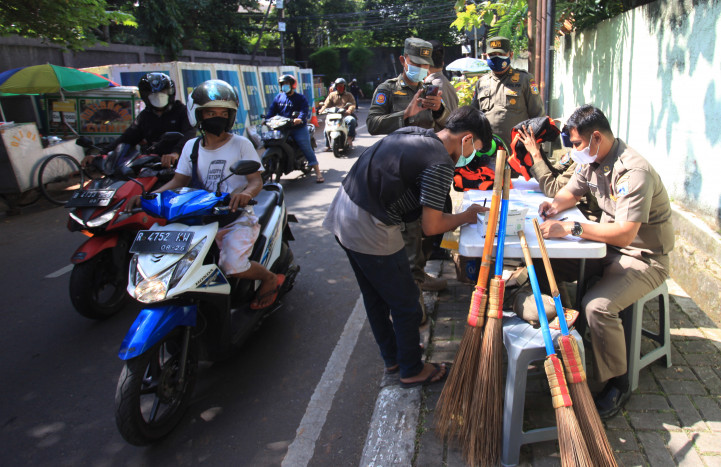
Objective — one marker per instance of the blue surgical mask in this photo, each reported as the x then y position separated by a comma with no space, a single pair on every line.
498,63
416,73
285,88
465,160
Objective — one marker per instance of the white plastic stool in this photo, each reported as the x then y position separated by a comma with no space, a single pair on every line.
524,345
632,318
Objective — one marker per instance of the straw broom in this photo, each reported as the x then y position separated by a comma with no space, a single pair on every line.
570,439
454,404
483,445
593,431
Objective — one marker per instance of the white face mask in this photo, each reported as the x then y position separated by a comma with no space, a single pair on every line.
584,155
158,99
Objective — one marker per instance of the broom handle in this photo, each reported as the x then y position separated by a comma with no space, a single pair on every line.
492,220
551,279
503,223
547,340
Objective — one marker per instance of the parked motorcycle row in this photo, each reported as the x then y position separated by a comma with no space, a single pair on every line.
164,255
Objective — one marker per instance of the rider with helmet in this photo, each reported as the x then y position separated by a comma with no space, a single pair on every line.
285,104
162,113
341,98
205,161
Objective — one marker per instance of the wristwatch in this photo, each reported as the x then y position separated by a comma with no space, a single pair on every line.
577,230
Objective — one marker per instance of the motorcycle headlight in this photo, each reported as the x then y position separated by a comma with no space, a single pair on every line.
181,267
153,289
103,219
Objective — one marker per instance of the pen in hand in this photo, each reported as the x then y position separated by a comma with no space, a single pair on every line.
563,219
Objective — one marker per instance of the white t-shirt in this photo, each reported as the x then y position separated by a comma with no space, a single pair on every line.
214,165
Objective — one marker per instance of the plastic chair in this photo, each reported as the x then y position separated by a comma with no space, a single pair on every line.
524,345
632,318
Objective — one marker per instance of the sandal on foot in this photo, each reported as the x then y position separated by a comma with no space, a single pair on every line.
319,179
391,370
255,304
429,379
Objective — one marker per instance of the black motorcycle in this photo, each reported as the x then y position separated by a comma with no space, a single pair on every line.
282,154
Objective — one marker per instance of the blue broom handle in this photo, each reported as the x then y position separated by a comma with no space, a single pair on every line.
541,310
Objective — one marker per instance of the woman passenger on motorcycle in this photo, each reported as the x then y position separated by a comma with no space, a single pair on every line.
346,101
285,104
212,107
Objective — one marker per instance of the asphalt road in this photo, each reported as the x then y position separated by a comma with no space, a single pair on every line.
59,371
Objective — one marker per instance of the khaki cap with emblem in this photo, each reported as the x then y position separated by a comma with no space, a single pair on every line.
498,44
419,51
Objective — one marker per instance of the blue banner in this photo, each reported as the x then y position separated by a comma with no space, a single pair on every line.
307,85
231,77
255,99
270,85
192,78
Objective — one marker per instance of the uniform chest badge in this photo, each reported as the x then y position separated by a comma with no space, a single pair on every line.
511,92
400,93
516,77
380,98
606,169
512,101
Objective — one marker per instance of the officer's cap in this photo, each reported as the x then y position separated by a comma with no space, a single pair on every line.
418,50
498,44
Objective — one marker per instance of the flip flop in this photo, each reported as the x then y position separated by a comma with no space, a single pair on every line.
319,180
429,380
254,305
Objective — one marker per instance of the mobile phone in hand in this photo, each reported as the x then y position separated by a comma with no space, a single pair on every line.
430,90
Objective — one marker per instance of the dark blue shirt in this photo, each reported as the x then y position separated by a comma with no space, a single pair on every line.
285,105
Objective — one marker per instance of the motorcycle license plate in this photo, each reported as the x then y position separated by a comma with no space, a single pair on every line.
88,198
162,241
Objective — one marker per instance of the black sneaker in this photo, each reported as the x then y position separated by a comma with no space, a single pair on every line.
611,400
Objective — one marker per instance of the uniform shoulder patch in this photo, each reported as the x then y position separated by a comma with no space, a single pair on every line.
565,159
380,98
622,187
534,86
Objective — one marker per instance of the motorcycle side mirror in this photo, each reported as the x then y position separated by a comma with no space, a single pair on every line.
128,173
239,168
84,142
167,142
244,167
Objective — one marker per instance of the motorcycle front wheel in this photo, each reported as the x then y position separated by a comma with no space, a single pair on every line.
271,170
98,286
337,147
151,397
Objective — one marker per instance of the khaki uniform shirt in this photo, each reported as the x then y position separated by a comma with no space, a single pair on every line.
508,100
550,183
338,100
629,189
390,100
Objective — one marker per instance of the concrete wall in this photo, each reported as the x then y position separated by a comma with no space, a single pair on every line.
654,72
18,52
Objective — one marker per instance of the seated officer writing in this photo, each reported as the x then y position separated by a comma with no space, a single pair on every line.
636,227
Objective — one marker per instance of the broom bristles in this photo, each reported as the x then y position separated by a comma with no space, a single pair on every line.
570,438
452,409
591,426
482,441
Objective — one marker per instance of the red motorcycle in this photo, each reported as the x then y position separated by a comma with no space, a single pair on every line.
99,277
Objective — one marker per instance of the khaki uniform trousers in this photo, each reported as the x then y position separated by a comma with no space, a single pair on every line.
623,280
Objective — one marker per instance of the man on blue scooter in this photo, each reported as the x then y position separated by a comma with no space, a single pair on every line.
285,104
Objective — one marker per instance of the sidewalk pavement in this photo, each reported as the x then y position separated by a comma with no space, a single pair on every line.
673,418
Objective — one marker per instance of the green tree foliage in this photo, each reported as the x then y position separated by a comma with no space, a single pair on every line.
360,58
326,61
74,24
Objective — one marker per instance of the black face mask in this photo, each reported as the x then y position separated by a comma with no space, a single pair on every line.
215,125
